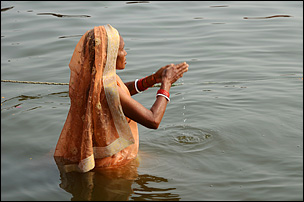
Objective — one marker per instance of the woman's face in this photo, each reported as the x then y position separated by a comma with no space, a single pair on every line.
121,56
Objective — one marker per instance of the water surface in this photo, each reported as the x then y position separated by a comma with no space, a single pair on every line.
232,131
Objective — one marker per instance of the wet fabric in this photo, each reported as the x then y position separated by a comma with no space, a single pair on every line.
96,132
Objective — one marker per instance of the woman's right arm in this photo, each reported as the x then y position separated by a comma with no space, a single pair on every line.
152,117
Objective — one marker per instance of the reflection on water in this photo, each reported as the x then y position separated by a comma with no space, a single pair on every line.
220,6
267,17
6,9
113,184
99,184
70,36
61,16
136,2
145,192
14,102
28,97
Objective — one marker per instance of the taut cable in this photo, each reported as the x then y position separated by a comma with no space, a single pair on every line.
55,83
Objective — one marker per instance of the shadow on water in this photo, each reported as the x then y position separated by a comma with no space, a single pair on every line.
144,192
28,97
61,16
70,36
136,2
15,102
267,17
6,9
113,184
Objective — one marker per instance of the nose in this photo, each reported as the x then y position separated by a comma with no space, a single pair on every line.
125,52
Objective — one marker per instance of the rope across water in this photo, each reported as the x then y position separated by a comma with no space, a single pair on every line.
55,83
34,82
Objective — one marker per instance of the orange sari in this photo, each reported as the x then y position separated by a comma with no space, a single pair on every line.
96,132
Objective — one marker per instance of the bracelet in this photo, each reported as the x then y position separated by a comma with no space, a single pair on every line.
136,86
163,93
163,96
146,81
153,77
140,85
153,80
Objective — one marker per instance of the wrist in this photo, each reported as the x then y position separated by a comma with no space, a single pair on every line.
165,84
163,93
151,80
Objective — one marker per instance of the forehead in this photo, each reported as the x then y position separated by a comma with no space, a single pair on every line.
122,43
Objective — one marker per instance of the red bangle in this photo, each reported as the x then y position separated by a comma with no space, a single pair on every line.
146,81
153,78
164,92
140,85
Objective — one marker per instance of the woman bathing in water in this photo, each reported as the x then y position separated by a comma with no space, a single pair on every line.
101,127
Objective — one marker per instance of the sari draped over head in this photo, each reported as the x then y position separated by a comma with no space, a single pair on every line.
96,131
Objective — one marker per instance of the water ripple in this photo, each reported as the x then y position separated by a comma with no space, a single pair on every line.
192,137
6,9
188,138
267,17
136,2
61,16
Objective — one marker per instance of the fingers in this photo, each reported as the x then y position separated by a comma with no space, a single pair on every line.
170,65
177,65
177,70
182,67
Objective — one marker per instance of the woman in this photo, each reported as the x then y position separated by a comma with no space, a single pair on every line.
101,127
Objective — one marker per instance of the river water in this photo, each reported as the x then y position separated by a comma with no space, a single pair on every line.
232,131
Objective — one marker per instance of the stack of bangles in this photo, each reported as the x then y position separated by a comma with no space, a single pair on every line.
139,87
164,93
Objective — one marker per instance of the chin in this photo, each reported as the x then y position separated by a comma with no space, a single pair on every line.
120,68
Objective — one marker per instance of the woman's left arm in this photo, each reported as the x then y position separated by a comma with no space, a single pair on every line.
146,82
141,84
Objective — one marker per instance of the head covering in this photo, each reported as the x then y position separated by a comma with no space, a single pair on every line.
96,126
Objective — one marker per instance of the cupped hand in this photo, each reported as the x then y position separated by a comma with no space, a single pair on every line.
173,72
158,75
183,67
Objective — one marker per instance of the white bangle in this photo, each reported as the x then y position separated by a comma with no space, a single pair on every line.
163,96
136,86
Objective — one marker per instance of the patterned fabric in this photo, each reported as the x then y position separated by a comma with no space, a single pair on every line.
96,132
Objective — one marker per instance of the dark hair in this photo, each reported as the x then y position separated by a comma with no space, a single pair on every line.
89,48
